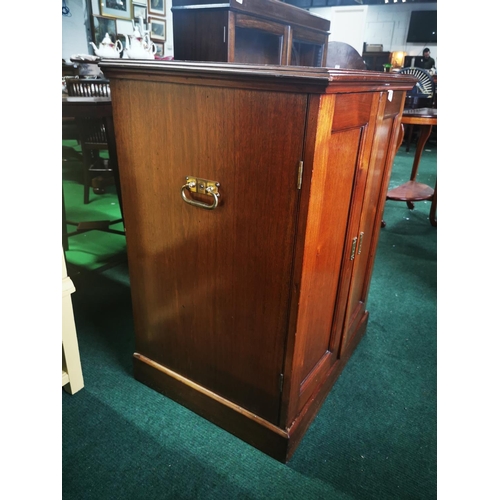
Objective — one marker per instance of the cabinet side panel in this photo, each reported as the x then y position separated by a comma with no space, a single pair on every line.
211,288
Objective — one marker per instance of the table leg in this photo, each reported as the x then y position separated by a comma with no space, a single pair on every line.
401,136
432,214
425,132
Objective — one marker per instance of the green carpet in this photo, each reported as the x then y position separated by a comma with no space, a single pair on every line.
374,437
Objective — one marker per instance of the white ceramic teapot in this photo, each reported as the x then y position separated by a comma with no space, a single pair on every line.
107,49
139,47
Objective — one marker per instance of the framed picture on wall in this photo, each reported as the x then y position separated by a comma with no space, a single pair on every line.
140,11
158,29
101,26
119,9
156,7
160,49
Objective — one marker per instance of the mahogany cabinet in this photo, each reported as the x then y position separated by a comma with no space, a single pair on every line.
253,200
248,31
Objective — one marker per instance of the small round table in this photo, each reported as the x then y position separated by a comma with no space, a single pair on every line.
412,190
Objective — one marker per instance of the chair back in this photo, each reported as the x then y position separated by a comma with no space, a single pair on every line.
345,56
86,87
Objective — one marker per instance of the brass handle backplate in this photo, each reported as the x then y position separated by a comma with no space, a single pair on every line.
203,186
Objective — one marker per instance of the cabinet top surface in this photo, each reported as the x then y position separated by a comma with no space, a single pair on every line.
320,79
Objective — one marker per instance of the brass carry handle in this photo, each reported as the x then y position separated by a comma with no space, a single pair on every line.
195,185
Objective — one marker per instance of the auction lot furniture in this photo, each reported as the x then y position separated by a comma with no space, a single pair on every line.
250,31
253,197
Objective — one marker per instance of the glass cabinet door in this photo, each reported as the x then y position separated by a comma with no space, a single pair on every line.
308,47
306,54
258,41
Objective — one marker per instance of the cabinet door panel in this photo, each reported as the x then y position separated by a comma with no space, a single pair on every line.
336,175
370,220
258,41
200,35
212,287
333,196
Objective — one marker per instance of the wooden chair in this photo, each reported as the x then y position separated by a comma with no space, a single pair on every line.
92,135
345,56
423,95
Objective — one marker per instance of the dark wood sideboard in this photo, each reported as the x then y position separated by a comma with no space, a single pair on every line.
253,197
249,31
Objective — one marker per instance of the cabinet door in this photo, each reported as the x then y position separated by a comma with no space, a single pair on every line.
308,47
257,41
342,147
211,288
200,34
364,230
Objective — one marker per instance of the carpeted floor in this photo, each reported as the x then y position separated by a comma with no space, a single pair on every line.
374,437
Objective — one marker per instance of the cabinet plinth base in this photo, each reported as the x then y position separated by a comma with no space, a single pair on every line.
240,422
256,431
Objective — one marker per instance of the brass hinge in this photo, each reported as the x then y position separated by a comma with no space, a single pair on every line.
299,177
360,242
353,247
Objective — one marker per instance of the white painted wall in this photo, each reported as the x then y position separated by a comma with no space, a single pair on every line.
383,24
74,34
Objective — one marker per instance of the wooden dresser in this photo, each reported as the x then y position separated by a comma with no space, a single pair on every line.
248,31
253,199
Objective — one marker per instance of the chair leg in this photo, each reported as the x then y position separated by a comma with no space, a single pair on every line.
64,226
87,163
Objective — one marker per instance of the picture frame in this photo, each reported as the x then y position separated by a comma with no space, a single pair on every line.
118,9
156,7
160,49
101,26
158,29
140,2
140,11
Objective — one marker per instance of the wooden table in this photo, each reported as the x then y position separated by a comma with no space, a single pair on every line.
94,107
412,190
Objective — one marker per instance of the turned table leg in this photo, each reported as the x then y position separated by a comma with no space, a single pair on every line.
425,132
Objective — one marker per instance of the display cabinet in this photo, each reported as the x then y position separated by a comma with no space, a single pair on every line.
248,31
253,197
